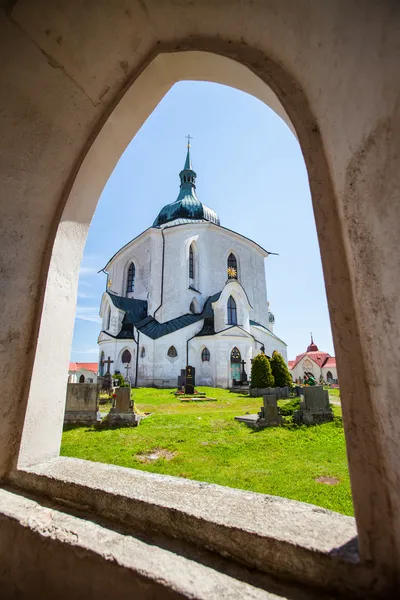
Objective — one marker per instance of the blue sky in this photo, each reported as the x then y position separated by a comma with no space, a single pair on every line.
250,170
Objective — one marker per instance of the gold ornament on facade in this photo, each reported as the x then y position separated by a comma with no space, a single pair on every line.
232,272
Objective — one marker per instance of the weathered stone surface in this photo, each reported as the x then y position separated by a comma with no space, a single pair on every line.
315,545
315,408
269,415
59,148
279,392
82,403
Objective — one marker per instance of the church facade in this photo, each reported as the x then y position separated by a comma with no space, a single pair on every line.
186,291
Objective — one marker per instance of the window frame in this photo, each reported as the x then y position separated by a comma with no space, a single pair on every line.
205,355
131,277
231,311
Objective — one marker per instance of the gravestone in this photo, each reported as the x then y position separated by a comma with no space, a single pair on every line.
122,411
182,379
190,380
269,415
315,407
82,403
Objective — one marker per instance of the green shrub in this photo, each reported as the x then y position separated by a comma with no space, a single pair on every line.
280,371
288,408
121,379
261,374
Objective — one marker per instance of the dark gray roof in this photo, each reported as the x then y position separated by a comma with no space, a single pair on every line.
135,310
136,315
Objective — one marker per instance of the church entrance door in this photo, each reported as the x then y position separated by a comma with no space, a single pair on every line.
235,364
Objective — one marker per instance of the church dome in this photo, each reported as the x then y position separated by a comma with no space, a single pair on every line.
187,207
312,347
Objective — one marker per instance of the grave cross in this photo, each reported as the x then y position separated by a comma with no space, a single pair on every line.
243,374
108,362
127,367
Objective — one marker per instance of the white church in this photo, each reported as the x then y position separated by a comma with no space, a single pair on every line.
186,291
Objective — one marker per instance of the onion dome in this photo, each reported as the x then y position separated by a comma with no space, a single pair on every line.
187,207
312,347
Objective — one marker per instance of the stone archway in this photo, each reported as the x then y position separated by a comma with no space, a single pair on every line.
348,158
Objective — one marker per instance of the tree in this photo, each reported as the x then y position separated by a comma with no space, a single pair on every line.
280,371
261,374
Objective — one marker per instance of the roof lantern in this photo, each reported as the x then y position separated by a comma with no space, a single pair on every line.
312,347
187,207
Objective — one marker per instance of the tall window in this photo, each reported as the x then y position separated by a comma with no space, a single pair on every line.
108,320
232,313
205,355
126,357
130,287
172,353
191,262
232,266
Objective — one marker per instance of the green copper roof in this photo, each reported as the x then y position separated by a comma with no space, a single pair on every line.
187,207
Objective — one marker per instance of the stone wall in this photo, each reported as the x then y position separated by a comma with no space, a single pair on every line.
278,392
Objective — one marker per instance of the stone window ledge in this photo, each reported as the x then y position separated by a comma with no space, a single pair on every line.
275,535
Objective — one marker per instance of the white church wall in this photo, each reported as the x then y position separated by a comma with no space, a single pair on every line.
146,254
270,342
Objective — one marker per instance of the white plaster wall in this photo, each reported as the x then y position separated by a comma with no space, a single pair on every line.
310,367
146,253
333,370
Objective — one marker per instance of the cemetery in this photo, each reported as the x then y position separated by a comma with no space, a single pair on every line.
203,441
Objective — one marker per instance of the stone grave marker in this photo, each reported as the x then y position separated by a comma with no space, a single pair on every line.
122,411
190,380
182,379
269,415
315,408
82,403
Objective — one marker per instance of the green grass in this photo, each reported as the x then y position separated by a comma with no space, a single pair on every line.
209,445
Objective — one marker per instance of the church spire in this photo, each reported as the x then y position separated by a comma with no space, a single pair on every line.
188,176
188,162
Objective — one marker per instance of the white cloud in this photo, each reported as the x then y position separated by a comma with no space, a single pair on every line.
88,313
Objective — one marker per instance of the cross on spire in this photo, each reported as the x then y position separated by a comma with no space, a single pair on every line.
188,137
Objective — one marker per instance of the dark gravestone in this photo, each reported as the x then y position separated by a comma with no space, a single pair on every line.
190,379
181,379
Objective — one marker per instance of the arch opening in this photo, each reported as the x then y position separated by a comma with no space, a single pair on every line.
71,215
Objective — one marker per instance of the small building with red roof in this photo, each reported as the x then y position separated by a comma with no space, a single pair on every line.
316,362
84,372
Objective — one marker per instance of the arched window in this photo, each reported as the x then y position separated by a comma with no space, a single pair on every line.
191,262
82,379
143,352
108,320
126,357
192,307
232,266
235,355
329,376
232,313
172,353
130,286
205,355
